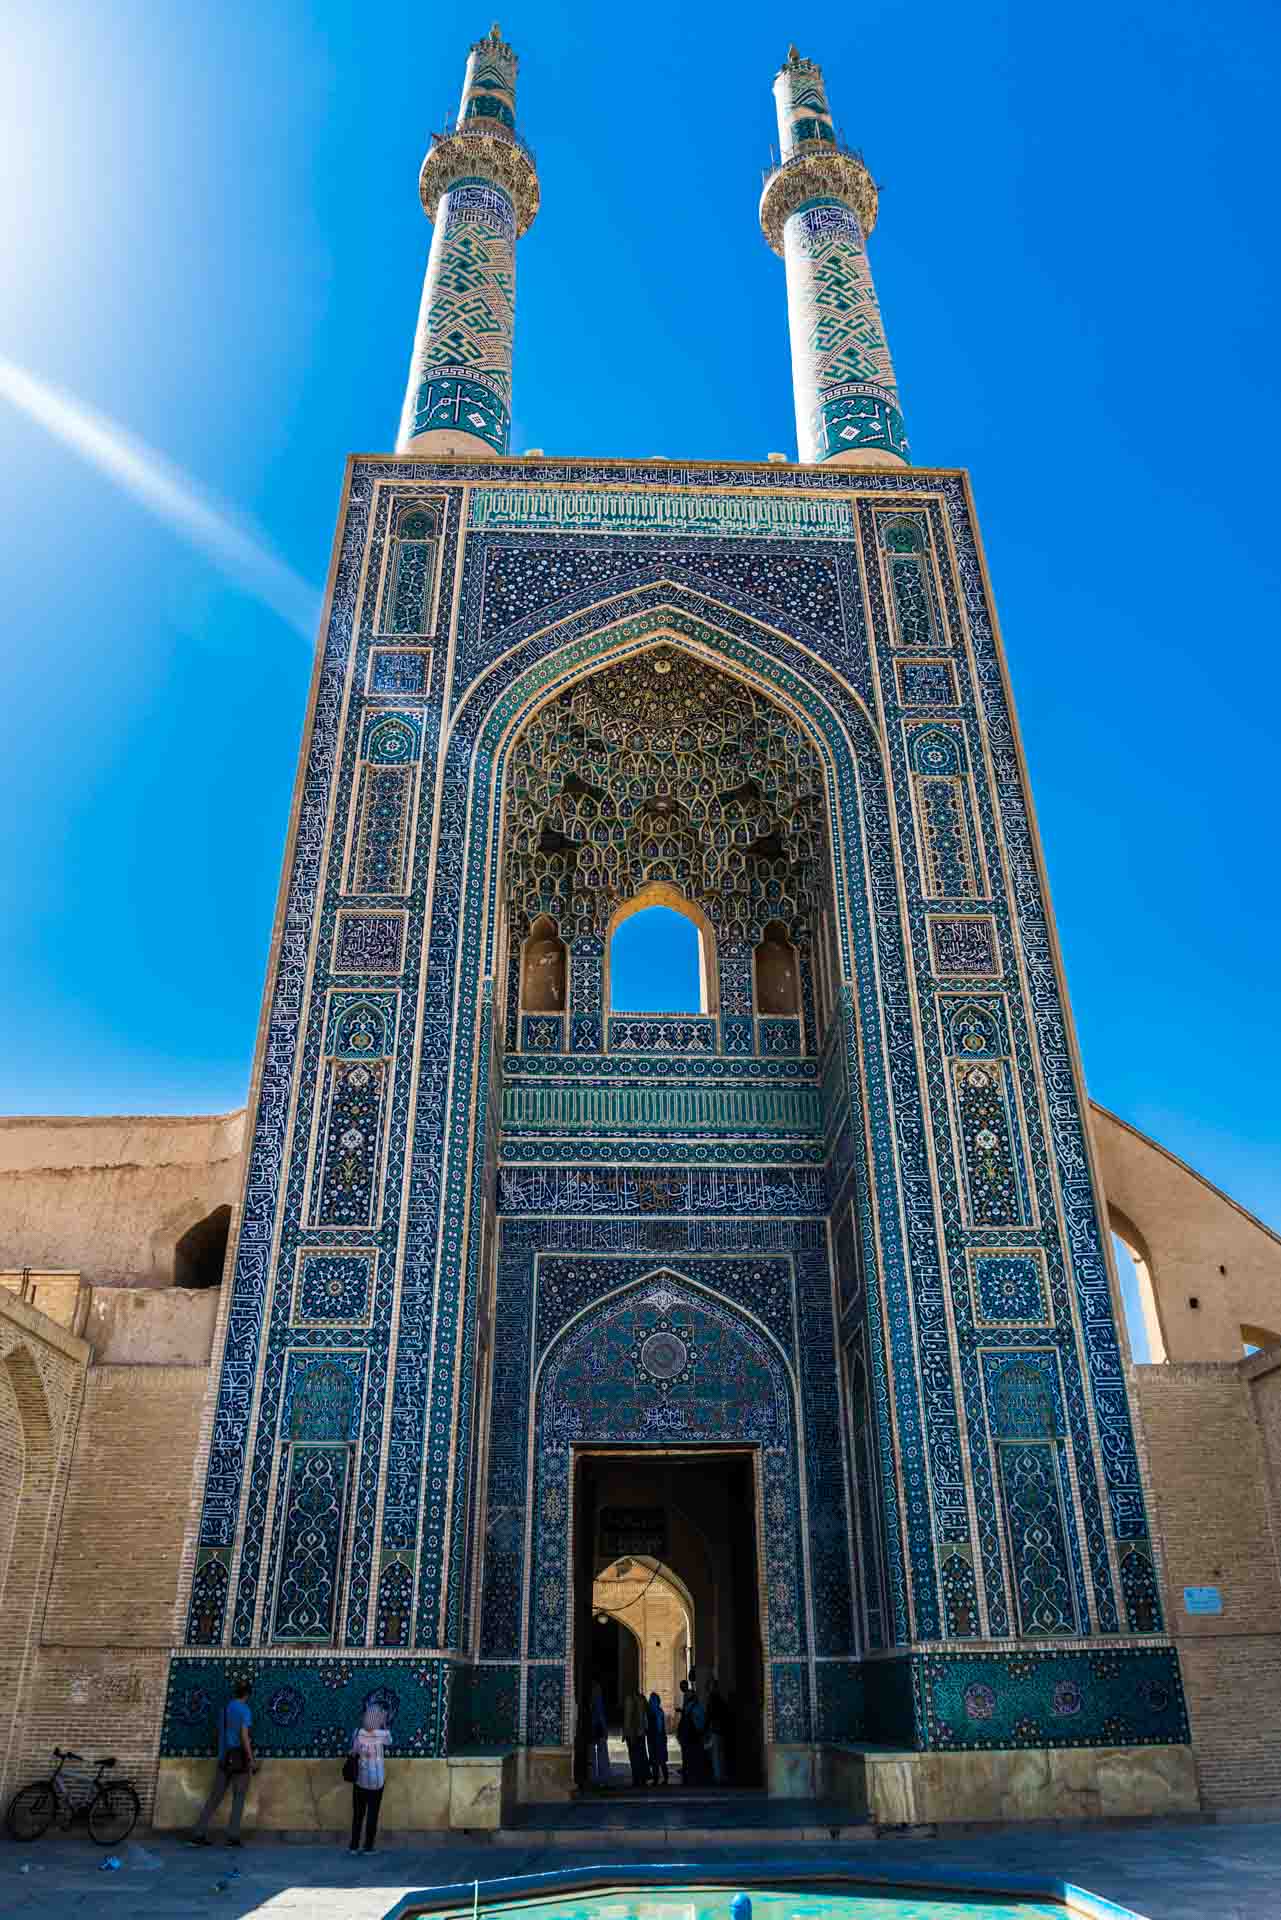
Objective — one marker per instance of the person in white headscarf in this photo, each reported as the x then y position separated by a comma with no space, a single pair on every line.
369,1743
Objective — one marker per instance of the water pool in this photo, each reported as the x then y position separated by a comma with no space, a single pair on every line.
713,1903
800,1903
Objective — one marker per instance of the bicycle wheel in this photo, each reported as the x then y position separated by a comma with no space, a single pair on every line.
114,1813
31,1811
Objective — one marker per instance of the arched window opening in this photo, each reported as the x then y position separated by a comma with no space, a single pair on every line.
1258,1339
778,974
544,970
199,1256
657,963
1138,1301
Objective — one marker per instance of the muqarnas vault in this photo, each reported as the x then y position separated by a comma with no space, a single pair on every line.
803,1298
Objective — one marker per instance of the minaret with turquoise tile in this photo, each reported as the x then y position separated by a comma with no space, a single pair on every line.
480,187
817,209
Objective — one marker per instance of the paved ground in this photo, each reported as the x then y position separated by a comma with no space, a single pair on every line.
1168,1872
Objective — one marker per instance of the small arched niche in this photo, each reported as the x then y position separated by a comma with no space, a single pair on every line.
544,969
199,1256
660,955
778,972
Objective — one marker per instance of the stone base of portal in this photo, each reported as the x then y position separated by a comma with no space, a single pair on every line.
893,1788
469,1791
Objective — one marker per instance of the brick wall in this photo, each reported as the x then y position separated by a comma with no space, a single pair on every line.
44,1368
96,1468
99,1672
1214,1507
97,1701
116,1574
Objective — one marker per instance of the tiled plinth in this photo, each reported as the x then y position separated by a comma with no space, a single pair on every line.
1032,1783
544,1774
472,1792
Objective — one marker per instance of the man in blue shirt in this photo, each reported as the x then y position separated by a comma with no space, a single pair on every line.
235,1764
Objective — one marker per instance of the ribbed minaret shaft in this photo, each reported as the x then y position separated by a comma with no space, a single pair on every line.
480,186
818,207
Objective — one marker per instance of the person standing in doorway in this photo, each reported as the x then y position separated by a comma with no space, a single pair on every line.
696,1751
235,1765
682,1731
689,1732
656,1740
582,1741
600,1738
369,1744
714,1739
634,1717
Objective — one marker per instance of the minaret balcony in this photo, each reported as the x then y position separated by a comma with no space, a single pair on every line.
816,170
489,152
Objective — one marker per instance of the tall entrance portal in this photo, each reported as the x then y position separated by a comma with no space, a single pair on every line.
793,1305
666,1589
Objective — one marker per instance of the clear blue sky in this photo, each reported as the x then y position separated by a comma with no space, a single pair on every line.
211,234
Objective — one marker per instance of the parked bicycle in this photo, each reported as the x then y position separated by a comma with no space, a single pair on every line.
111,1806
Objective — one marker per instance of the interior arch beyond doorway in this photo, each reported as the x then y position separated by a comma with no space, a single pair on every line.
649,1598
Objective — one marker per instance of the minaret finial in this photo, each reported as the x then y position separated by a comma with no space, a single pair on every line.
480,186
817,209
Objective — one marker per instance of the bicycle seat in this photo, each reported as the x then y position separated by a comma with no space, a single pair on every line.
109,1762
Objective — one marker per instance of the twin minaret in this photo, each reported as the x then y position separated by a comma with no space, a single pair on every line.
480,187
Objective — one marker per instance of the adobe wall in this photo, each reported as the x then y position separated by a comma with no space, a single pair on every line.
1212,1431
1212,1271
109,1198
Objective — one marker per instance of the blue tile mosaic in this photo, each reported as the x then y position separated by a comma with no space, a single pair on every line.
414,1111
307,1708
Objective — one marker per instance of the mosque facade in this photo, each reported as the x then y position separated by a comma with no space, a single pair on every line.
802,1302
838,1232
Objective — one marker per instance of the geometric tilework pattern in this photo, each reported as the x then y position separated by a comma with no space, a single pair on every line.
334,1288
1009,1287
846,399
462,360
1009,1494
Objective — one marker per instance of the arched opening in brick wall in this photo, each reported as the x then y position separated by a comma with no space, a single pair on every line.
199,1256
616,1656
1138,1295
649,1598
12,1462
27,1438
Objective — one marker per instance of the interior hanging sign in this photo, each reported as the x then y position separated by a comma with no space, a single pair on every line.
638,1530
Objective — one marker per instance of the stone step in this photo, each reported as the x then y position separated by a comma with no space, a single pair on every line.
730,1818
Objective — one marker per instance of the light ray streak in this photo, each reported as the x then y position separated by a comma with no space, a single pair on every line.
223,537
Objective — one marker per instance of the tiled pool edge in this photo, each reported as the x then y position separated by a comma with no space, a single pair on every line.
941,1881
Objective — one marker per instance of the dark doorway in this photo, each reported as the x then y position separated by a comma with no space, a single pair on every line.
691,1514
615,1662
198,1257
